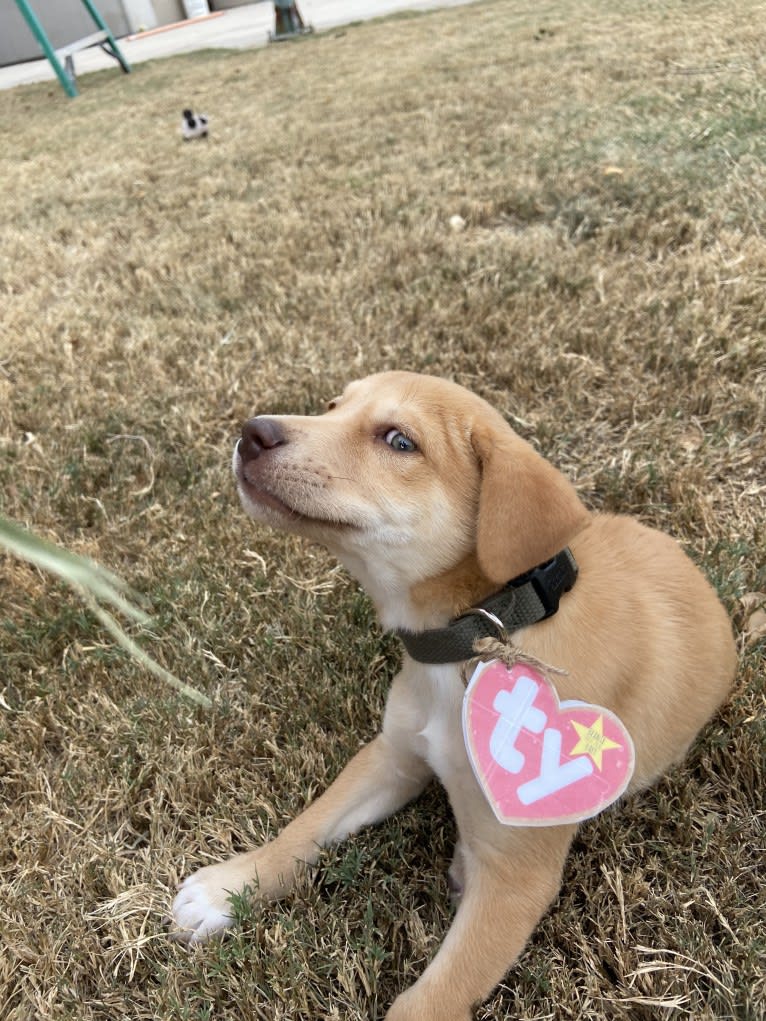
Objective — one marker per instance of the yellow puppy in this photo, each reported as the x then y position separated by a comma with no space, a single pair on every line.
433,503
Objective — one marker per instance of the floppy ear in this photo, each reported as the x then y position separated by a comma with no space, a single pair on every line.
528,511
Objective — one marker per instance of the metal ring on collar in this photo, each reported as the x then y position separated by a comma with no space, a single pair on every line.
479,611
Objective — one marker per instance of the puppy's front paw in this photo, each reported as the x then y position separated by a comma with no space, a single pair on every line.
414,1005
202,907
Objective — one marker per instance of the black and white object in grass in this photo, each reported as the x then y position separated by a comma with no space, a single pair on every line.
194,125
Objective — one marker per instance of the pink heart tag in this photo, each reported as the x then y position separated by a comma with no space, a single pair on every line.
541,763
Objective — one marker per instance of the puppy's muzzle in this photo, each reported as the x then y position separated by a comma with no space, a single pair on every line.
259,434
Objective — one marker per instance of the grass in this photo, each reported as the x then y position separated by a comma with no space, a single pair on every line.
607,294
94,586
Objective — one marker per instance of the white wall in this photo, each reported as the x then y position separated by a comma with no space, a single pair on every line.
64,21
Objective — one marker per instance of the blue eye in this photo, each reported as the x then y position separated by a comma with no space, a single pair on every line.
396,439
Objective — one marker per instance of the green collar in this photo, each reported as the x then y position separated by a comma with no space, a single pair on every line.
525,600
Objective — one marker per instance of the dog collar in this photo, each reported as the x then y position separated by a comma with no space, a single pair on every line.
525,600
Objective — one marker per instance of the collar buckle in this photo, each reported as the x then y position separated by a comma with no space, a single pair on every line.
550,580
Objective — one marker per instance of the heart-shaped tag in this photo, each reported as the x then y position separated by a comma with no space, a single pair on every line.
538,761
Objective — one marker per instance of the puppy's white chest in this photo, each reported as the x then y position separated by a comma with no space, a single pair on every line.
442,736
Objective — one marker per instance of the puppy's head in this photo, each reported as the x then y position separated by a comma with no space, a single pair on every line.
404,477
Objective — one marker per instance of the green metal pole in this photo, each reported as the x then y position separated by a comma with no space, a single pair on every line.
37,30
96,15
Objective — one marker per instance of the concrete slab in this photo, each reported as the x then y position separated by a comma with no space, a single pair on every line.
238,28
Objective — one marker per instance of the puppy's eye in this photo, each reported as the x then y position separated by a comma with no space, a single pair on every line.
396,439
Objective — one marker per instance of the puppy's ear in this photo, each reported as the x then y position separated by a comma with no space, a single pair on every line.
528,510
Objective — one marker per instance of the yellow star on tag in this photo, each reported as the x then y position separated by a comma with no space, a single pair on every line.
592,741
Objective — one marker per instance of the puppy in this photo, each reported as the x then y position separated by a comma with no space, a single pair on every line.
434,504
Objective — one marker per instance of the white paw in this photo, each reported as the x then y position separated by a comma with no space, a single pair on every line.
201,908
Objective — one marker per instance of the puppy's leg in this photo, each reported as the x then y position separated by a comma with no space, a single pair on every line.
456,873
505,896
377,781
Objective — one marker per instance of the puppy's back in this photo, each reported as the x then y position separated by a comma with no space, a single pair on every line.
644,634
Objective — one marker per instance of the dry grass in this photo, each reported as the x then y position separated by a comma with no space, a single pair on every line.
607,294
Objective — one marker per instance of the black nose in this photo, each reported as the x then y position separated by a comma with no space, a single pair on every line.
259,434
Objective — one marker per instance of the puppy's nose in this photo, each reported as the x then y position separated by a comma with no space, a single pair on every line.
259,434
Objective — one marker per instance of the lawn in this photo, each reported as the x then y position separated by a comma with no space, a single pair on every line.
607,292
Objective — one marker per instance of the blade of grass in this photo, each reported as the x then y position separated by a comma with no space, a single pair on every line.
93,582
135,650
71,568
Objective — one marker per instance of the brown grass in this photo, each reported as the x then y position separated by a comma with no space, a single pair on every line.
607,294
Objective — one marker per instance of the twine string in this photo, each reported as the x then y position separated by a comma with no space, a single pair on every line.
507,653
